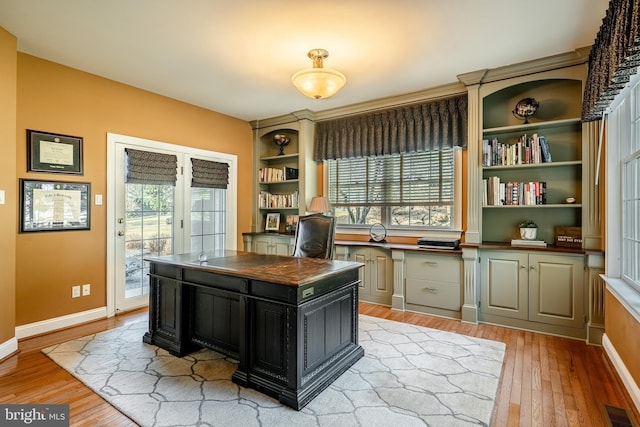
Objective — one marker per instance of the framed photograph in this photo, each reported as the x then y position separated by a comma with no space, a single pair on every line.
273,222
54,153
54,205
292,223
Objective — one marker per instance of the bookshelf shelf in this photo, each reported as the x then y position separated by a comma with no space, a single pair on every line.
531,127
284,181
545,206
534,165
278,157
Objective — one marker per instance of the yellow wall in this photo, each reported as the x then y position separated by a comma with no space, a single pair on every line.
623,331
58,99
8,216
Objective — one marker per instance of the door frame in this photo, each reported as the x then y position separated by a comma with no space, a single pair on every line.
113,140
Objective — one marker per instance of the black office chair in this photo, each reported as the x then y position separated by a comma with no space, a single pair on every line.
314,236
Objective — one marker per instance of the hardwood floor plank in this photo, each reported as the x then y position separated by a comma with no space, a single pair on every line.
545,380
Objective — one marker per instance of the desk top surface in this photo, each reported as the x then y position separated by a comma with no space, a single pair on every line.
285,270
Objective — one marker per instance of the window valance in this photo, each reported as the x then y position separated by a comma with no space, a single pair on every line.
208,174
148,167
614,57
427,126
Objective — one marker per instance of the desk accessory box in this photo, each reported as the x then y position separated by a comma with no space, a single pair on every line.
569,237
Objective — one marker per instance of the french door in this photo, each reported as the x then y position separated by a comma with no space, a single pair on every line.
147,220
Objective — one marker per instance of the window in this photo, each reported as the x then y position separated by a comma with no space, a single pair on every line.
630,166
410,190
623,213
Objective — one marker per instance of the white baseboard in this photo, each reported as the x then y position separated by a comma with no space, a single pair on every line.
8,347
61,322
622,370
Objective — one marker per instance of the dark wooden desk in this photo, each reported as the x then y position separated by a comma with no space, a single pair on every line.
292,323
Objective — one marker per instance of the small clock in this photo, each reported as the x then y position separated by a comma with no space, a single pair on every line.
378,233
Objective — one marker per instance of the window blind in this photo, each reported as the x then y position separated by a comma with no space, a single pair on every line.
148,167
420,178
209,174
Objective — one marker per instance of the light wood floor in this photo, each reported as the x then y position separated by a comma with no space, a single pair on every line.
546,381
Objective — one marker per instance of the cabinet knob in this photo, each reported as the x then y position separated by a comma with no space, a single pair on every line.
533,267
523,267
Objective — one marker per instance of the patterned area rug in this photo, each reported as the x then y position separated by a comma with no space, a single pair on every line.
409,376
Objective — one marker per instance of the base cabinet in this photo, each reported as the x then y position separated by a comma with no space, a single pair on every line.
376,276
532,290
433,283
269,245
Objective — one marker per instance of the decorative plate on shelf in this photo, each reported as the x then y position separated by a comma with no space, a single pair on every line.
378,233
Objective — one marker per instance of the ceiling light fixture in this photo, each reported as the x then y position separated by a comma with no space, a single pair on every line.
318,82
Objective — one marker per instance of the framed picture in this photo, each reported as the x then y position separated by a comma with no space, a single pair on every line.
54,153
273,222
292,223
54,205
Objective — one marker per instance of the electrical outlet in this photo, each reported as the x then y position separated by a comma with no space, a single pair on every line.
86,290
75,291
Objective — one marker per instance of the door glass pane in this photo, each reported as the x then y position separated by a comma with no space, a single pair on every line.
148,232
208,218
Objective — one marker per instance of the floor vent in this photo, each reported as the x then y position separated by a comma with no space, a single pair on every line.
618,417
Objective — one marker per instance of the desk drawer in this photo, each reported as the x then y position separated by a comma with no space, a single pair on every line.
440,268
431,293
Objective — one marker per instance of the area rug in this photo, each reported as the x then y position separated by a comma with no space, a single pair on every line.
409,376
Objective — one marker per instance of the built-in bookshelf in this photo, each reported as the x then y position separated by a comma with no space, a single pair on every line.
284,180
534,170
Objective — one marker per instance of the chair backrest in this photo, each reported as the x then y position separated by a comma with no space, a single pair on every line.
314,236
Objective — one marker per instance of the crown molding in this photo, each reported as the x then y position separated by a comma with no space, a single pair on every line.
562,60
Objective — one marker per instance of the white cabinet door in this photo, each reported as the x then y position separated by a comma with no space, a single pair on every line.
556,289
504,284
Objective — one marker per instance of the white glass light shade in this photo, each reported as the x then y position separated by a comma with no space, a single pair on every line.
318,82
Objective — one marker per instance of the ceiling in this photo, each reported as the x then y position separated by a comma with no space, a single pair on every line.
237,57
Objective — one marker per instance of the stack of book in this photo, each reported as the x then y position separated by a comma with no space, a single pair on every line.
278,174
525,242
268,200
527,150
496,192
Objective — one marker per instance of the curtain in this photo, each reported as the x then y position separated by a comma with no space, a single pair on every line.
208,174
614,57
147,167
421,127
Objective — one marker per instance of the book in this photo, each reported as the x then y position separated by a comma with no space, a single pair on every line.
523,242
544,148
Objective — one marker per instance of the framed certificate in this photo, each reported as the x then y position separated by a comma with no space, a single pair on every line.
54,153
54,205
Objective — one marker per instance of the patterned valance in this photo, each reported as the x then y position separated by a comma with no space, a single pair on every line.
147,167
208,174
614,57
427,126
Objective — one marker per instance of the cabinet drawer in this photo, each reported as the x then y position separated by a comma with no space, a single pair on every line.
434,268
432,293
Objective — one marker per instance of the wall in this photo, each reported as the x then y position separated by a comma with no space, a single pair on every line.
623,330
8,218
55,98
